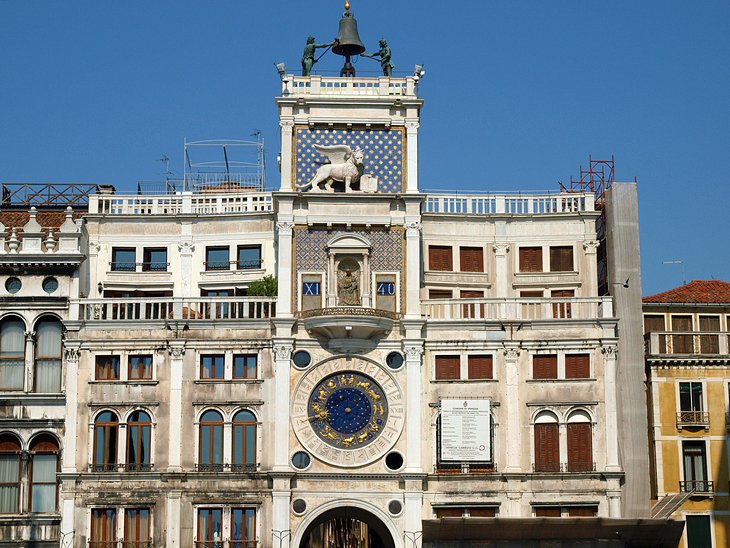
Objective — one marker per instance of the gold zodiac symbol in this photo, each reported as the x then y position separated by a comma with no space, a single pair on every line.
331,384
374,427
373,395
362,384
348,441
361,437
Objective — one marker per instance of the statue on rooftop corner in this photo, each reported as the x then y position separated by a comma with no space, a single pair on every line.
345,166
384,57
308,59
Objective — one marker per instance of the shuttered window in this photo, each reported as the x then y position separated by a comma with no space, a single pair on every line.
545,366
547,448
471,259
682,344
480,367
655,323
483,512
709,344
440,294
561,258
562,309
581,511
547,511
530,259
440,258
448,368
472,311
580,447
449,512
577,366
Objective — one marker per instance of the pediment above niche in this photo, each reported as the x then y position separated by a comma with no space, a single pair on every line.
349,243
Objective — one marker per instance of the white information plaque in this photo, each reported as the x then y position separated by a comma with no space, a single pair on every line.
465,430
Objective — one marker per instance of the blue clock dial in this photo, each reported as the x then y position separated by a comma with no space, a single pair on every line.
347,410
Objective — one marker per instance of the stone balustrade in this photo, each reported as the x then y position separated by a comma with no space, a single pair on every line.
180,204
34,239
509,204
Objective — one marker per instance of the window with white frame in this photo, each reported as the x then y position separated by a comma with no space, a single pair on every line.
215,433
48,351
40,476
691,404
561,365
12,353
552,437
229,526
229,366
118,445
124,367
112,526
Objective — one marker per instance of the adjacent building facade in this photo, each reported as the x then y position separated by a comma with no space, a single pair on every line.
688,365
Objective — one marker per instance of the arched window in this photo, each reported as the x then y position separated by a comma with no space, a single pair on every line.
243,457
9,474
139,439
44,466
211,441
580,442
547,443
12,354
48,355
106,430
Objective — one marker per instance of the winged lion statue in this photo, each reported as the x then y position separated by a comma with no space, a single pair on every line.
345,166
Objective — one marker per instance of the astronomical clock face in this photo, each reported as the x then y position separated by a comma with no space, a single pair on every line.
348,413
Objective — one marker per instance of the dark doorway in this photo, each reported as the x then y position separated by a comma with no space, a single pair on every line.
347,527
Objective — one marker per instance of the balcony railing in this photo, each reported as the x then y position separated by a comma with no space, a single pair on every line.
176,308
139,267
120,544
228,467
577,308
184,203
251,264
693,418
697,486
226,543
123,467
466,467
510,204
687,343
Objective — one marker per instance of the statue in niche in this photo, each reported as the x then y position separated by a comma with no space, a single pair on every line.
348,287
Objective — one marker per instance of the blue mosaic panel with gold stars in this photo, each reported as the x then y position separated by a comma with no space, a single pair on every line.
384,153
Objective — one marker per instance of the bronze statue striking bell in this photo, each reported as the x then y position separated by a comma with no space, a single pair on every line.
348,43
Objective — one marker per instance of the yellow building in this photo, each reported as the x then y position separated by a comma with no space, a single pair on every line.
687,341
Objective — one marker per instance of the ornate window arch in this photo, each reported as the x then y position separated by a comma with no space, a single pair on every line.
244,446
12,353
546,442
210,441
139,441
44,450
48,354
580,441
10,452
106,441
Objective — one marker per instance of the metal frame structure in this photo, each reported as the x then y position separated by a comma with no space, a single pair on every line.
46,195
230,172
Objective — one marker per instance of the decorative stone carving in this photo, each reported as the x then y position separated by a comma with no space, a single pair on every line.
94,248
68,224
176,352
609,351
413,229
501,248
345,166
282,352
50,241
30,336
186,248
413,353
286,124
591,246
285,228
32,225
348,284
412,125
13,242
511,353
72,354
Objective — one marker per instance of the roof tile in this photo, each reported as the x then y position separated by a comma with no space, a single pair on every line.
696,291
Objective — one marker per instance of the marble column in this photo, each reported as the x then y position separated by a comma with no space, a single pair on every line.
513,433
175,434
611,431
413,351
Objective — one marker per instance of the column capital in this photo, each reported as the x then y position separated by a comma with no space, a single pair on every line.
72,354
413,352
285,227
286,125
609,351
511,353
283,351
186,247
176,350
413,229
501,248
591,246
412,125
30,336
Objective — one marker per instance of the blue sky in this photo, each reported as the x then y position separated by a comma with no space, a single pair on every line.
518,94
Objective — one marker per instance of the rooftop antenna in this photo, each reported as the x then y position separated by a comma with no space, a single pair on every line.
681,262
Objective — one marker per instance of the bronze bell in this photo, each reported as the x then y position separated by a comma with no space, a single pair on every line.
348,43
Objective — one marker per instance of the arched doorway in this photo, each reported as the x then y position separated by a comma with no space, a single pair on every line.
347,527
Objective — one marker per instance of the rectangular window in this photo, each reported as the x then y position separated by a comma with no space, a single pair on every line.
107,368
682,342
154,259
217,258
210,527
480,367
137,527
483,512
577,366
245,366
545,366
698,531
580,447
561,258
243,527
249,257
124,259
140,367
690,396
103,528
562,309
471,259
440,294
655,323
582,511
449,512
547,447
548,511
9,479
695,466
448,367
440,258
530,259
471,311
709,339
211,366
43,482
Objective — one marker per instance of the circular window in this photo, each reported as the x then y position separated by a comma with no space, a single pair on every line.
394,461
299,506
50,285
300,460
395,507
13,285
394,360
302,358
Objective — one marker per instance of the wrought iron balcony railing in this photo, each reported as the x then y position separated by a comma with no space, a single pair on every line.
226,543
693,418
697,486
121,544
123,467
228,467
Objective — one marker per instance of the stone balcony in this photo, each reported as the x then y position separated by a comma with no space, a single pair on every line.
348,326
688,345
517,309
